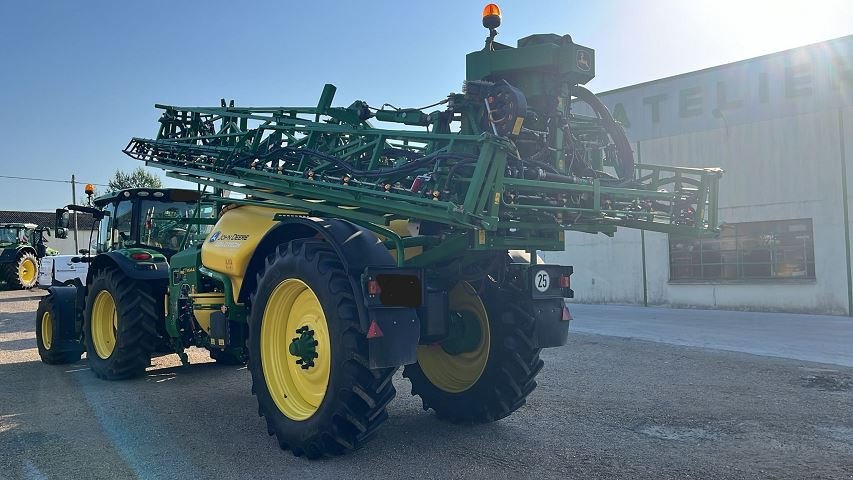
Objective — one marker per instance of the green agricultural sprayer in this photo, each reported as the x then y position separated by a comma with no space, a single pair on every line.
328,251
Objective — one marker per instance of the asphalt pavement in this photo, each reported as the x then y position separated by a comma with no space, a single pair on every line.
606,407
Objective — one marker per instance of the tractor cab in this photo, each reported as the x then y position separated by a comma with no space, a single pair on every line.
17,233
147,218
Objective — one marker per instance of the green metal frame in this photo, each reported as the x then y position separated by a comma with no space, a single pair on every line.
520,189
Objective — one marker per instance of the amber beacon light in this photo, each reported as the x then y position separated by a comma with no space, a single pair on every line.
491,16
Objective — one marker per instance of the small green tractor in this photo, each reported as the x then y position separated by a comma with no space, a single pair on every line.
21,247
327,252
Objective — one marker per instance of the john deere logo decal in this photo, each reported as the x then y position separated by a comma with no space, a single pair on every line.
227,240
584,61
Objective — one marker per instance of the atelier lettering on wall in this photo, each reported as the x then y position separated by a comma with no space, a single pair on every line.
805,79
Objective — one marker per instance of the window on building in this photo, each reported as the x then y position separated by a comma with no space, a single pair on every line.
775,250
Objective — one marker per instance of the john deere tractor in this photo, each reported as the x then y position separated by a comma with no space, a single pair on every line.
138,229
21,247
329,252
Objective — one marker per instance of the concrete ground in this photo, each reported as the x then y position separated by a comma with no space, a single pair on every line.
606,407
816,338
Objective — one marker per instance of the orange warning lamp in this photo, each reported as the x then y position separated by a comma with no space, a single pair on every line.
492,16
90,189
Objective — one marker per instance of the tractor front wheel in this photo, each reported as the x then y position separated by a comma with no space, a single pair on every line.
120,325
23,274
486,367
308,354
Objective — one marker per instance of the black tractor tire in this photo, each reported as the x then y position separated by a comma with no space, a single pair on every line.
137,309
12,273
48,323
509,375
227,357
355,398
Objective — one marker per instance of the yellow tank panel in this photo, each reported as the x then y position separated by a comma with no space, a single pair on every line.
233,240
203,305
404,228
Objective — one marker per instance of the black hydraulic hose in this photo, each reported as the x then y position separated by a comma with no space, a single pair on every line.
409,167
625,169
452,171
541,174
542,165
406,168
400,152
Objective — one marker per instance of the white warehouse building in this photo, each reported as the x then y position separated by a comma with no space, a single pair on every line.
781,126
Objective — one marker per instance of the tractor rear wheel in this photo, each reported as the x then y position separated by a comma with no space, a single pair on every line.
48,334
308,354
24,273
120,325
486,368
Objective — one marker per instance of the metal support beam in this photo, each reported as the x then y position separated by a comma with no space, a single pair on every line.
845,209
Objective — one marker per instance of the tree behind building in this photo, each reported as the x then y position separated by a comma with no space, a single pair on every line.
135,179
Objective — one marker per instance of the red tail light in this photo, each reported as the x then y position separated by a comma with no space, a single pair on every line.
140,256
373,287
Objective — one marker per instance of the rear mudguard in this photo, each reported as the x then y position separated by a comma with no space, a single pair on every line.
358,249
157,268
243,238
69,315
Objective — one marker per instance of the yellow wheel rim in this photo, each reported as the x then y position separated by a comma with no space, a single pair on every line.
27,271
47,330
297,392
457,373
104,324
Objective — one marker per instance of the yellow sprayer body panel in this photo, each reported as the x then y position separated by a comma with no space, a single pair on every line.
233,240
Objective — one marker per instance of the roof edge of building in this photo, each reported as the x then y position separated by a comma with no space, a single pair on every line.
727,65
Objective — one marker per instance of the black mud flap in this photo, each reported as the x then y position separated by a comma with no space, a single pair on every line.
392,297
65,300
220,333
393,337
538,292
552,322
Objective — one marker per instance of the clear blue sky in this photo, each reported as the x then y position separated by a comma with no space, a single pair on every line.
78,79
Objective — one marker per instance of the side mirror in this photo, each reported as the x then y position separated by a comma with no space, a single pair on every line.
60,233
61,222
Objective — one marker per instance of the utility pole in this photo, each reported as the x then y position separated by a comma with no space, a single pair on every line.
74,212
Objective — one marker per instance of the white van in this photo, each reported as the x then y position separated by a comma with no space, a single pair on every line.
60,270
